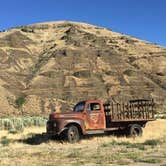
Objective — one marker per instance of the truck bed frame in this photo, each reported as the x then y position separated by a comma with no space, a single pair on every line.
135,110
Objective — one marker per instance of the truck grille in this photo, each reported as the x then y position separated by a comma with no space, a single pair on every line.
51,126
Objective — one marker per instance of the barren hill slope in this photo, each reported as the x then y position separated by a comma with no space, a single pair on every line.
59,63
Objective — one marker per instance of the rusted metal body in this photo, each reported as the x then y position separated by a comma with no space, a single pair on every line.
94,116
84,119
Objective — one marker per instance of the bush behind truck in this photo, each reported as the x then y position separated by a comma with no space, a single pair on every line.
94,117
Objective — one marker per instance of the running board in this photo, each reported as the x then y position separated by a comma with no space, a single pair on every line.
95,132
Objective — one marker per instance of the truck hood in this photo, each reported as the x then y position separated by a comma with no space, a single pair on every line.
66,115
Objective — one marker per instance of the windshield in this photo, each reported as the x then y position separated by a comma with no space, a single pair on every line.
79,107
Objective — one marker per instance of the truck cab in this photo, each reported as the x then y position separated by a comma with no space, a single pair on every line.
93,116
86,116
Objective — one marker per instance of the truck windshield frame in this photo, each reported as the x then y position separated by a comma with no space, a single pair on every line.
79,107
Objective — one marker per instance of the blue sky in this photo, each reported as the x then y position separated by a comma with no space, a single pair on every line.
145,19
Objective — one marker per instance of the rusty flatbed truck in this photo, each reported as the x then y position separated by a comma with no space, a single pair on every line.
93,116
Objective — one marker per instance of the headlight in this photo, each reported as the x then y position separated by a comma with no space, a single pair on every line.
54,124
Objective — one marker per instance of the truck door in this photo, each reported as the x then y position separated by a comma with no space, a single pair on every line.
95,117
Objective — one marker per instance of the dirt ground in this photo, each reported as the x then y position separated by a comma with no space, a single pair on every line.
31,148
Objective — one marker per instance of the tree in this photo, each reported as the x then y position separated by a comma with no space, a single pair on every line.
20,101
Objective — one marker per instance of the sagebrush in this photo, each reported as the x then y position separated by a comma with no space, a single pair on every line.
17,124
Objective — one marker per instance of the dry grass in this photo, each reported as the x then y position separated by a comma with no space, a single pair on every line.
44,68
29,149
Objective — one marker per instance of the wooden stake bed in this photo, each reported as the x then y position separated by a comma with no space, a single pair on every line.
134,110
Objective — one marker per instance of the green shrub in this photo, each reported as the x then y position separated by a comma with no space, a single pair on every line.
13,131
20,101
26,29
17,124
150,160
82,73
140,146
5,141
6,124
152,142
135,156
160,116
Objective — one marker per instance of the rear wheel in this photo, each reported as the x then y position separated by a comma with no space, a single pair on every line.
135,130
72,134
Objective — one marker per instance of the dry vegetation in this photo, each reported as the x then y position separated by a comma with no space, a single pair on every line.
54,65
33,148
59,63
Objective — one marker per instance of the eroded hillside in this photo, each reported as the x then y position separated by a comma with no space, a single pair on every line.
56,64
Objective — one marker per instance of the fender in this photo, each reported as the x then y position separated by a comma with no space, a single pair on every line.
64,123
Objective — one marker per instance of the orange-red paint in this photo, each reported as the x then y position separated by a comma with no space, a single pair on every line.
93,115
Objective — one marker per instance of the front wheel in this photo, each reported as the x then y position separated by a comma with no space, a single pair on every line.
135,130
72,134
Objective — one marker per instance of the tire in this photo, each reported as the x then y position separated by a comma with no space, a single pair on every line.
135,130
72,134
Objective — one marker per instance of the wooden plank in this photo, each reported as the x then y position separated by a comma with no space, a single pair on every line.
138,110
131,120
